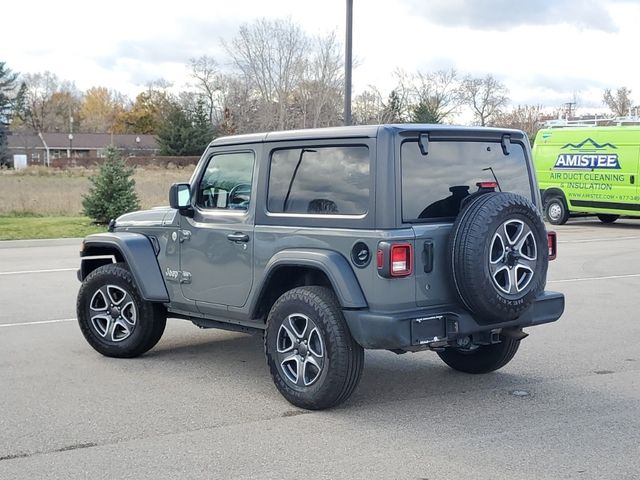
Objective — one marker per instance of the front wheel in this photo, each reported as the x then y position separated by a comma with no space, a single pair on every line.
113,317
556,211
481,358
314,361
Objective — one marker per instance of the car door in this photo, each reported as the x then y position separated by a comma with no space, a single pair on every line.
216,242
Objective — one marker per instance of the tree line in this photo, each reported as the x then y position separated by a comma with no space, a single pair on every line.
279,78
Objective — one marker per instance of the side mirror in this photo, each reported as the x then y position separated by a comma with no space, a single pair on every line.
180,196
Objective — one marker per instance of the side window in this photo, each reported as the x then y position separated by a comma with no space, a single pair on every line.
319,180
226,183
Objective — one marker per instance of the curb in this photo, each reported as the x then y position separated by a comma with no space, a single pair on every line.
44,242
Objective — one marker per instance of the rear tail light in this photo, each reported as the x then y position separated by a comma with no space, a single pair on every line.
394,259
552,245
401,260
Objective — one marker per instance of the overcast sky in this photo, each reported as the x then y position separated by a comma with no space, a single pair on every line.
545,51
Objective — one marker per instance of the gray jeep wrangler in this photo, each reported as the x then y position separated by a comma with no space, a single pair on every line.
330,241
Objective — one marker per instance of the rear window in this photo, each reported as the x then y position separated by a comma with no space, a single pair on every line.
433,185
319,180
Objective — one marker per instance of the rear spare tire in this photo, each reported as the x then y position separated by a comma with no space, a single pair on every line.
498,256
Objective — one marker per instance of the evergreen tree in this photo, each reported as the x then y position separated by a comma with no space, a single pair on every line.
184,133
425,112
112,192
393,109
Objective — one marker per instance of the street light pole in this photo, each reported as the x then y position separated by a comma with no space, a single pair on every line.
348,63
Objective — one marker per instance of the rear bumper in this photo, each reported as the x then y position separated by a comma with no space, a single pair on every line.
431,325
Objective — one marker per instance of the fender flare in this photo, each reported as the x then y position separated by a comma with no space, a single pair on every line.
137,251
553,192
331,263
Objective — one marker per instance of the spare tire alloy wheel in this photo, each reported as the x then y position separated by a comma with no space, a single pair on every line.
300,350
512,257
498,260
113,313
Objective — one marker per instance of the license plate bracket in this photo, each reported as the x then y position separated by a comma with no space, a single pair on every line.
427,330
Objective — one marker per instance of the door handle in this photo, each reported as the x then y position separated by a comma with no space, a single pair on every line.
238,237
427,256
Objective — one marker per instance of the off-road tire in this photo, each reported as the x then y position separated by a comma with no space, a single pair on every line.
344,358
605,218
556,211
150,322
483,358
470,250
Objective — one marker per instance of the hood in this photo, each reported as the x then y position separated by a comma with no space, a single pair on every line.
155,217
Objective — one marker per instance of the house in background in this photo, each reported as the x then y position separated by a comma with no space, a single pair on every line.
78,145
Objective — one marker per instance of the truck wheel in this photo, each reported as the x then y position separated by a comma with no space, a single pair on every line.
556,211
314,361
608,218
481,358
113,317
499,256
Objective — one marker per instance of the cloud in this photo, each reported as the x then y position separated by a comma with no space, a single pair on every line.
561,83
506,14
189,39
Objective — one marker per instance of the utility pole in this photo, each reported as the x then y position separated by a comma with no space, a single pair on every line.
348,63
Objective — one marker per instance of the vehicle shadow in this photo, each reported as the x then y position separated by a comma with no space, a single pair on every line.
387,377
620,224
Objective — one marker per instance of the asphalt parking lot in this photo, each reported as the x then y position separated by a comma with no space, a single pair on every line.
202,405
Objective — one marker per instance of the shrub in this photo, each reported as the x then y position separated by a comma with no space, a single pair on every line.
112,192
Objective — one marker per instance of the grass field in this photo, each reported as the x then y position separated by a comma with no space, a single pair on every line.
18,228
40,191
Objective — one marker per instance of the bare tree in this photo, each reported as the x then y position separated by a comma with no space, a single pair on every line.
49,103
320,92
240,106
271,55
619,102
368,107
205,71
486,96
522,117
434,96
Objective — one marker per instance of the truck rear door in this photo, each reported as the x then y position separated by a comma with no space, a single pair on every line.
434,186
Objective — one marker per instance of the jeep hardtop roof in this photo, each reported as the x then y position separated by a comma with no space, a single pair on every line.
359,131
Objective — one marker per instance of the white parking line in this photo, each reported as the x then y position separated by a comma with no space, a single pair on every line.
41,322
605,239
24,272
586,279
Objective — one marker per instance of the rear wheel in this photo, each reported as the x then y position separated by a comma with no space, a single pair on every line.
556,211
481,358
604,218
314,361
113,317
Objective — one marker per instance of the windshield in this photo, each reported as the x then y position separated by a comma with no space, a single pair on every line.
433,185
